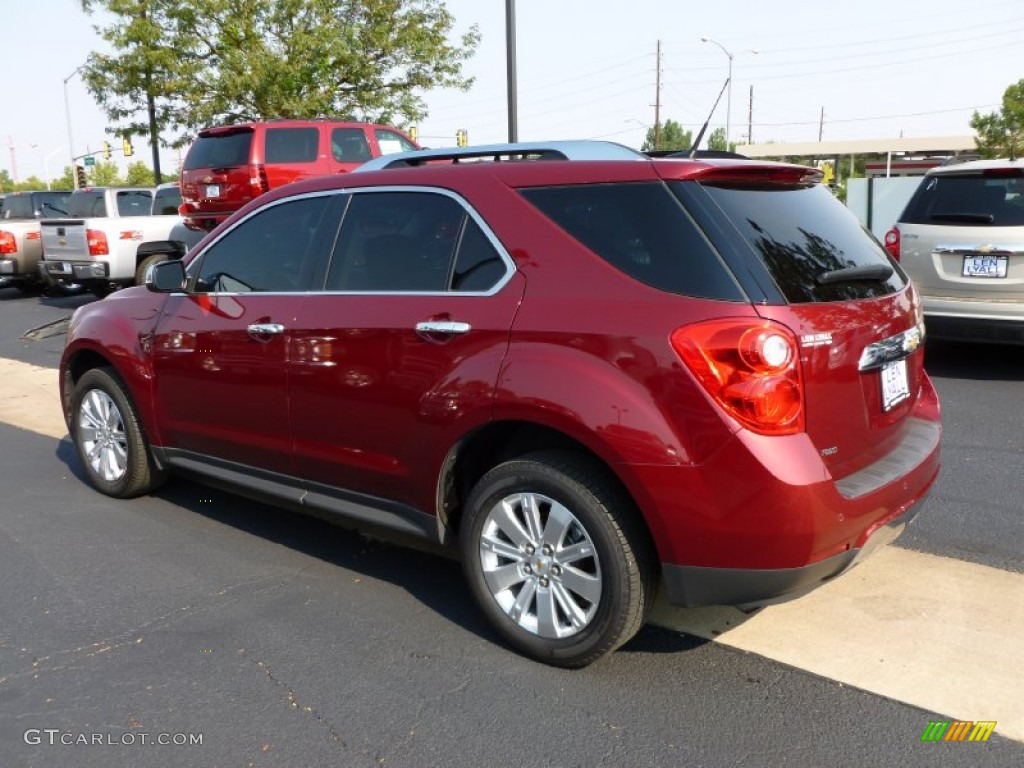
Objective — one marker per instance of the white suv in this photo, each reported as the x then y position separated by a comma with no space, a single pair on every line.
961,240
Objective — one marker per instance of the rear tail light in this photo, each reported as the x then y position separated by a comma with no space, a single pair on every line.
258,180
892,242
7,242
97,241
750,368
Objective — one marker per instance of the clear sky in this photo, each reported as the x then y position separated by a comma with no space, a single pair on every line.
587,70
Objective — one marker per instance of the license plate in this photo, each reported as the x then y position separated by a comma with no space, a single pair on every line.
895,385
213,190
58,268
985,266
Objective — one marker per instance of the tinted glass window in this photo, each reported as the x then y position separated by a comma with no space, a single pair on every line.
801,233
291,145
968,200
642,230
85,204
396,241
166,201
134,203
391,142
18,207
52,204
222,150
269,251
478,266
349,145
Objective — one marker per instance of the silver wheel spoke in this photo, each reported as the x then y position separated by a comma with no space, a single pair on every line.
579,551
501,548
547,614
560,520
531,511
583,584
101,435
509,524
572,609
518,612
502,578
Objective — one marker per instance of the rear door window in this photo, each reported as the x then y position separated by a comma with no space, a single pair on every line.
642,230
134,203
349,145
391,142
801,233
291,145
219,150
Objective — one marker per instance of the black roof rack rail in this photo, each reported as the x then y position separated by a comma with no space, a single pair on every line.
536,150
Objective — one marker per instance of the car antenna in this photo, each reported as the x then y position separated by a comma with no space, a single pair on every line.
696,143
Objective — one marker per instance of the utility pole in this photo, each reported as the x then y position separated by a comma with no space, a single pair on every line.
14,163
750,118
657,96
821,124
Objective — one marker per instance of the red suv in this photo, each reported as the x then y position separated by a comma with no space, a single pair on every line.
590,370
228,166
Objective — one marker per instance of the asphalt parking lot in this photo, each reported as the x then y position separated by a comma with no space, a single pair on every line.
279,640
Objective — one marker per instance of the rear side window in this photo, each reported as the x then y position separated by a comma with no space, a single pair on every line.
87,204
291,145
220,150
642,230
802,233
391,142
349,145
976,200
134,203
18,207
166,201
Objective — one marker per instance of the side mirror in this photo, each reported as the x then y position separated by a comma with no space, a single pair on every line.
166,277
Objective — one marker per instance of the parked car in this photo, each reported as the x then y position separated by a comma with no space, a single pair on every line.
961,240
111,235
20,235
229,165
589,370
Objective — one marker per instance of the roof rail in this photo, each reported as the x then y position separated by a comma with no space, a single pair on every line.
535,150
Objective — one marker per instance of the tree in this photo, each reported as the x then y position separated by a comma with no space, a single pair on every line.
139,175
671,136
717,142
31,184
104,175
66,180
193,63
6,182
1001,134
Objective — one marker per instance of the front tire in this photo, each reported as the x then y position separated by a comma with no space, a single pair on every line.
556,557
107,434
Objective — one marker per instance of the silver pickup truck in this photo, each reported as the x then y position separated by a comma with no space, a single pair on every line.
21,244
111,235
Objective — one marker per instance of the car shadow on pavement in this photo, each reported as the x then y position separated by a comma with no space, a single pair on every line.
427,572
981,362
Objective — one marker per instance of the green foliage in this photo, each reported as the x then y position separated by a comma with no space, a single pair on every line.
716,140
140,175
104,175
65,181
6,182
1001,134
672,136
31,184
208,62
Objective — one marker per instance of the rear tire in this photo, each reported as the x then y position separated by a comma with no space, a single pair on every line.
557,558
108,437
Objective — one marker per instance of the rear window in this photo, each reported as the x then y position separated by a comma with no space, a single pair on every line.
166,201
291,145
221,150
349,145
802,233
43,205
642,230
86,204
979,200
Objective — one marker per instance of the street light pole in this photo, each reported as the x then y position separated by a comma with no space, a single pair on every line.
728,102
510,65
67,114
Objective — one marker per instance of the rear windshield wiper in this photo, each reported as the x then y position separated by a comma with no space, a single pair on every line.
850,274
980,218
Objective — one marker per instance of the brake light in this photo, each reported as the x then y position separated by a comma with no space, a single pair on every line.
258,180
750,368
97,241
7,242
892,242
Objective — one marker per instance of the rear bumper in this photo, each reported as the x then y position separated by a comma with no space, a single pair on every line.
973,320
76,271
692,586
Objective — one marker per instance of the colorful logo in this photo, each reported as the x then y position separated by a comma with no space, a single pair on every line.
958,730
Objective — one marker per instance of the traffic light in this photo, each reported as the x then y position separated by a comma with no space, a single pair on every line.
461,137
80,181
414,133
106,150
127,146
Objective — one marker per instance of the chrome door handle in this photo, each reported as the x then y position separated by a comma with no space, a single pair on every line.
258,330
445,327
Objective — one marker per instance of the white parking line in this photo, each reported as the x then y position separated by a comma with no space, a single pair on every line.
934,632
